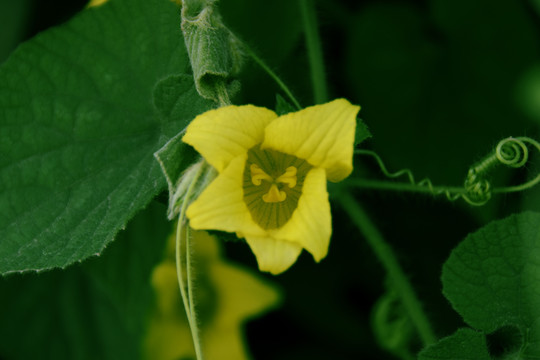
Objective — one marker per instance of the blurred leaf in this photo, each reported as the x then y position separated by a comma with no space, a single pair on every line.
273,32
465,344
123,272
255,22
392,326
94,311
78,130
436,85
55,316
492,279
528,93
536,5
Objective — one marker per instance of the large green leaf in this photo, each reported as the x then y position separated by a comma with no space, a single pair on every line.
97,310
492,280
79,125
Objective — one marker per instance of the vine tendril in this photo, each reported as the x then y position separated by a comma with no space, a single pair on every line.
477,189
424,183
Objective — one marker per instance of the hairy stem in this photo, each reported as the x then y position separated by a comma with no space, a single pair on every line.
385,254
187,298
192,310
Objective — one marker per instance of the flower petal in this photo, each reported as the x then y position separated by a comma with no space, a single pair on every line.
221,205
274,256
322,134
311,223
222,134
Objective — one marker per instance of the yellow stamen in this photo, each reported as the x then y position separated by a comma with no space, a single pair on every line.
258,174
274,195
289,177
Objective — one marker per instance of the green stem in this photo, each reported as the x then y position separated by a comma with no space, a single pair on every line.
315,55
192,311
273,75
386,256
179,274
187,299
222,94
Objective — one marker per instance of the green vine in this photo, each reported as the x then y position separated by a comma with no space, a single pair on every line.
477,189
186,289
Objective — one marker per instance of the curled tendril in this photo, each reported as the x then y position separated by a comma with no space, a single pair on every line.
477,189
512,152
424,183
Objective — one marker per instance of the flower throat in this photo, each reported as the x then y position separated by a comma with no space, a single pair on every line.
272,185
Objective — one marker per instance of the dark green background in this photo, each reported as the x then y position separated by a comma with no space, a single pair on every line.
440,83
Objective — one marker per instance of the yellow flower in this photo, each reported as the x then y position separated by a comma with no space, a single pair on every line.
226,295
271,187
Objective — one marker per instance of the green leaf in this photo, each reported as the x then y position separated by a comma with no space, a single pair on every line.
283,106
94,311
362,132
171,98
492,279
173,158
78,127
464,344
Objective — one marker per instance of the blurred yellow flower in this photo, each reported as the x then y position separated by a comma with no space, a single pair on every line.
271,187
93,3
226,295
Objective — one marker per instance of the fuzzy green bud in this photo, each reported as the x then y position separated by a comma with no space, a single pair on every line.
213,49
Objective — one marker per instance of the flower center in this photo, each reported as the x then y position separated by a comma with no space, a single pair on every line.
274,194
272,186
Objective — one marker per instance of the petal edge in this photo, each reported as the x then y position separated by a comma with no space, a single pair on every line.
321,134
311,223
222,134
273,256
